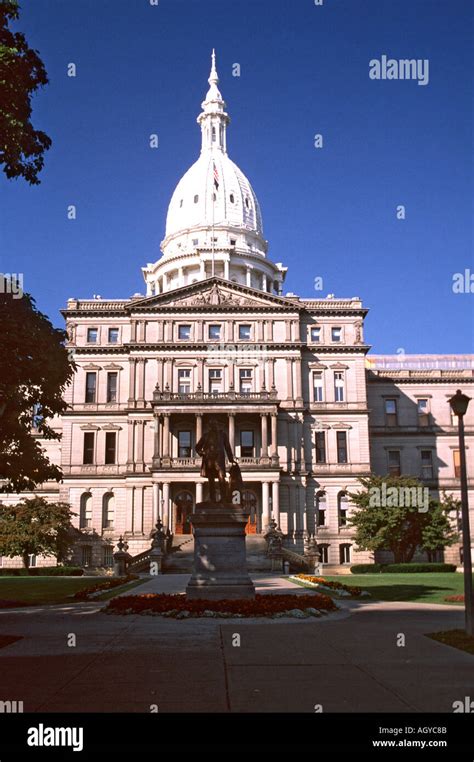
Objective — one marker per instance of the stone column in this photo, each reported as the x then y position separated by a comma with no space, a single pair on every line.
131,382
232,431
276,502
140,381
202,266
249,276
140,435
130,499
264,421
264,282
271,372
274,435
265,505
199,492
131,442
198,427
299,393
289,378
226,269
156,504
166,435
156,437
166,505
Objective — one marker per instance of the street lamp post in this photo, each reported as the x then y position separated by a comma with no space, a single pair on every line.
459,404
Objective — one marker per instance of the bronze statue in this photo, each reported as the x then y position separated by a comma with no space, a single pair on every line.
213,447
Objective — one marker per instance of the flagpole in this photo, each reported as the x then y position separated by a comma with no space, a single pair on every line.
213,202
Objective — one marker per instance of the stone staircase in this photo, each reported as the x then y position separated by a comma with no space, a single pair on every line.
181,558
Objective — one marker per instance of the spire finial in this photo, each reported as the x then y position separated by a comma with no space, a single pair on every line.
213,78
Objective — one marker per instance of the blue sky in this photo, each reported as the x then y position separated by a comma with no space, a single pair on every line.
327,212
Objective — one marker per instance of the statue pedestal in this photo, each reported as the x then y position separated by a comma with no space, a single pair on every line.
220,568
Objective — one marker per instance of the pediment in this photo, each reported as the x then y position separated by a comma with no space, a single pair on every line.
213,293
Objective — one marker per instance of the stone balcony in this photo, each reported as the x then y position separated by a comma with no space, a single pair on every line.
214,398
194,463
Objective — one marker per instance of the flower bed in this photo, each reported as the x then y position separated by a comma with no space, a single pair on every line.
101,587
322,583
455,598
180,607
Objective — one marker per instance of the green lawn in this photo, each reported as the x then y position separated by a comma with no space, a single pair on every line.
41,590
424,588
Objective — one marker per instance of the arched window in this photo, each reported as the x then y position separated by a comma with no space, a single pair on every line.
108,510
181,204
213,134
321,509
232,198
247,203
342,508
196,199
85,513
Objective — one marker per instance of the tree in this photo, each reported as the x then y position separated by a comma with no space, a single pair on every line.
397,514
22,72
35,527
34,371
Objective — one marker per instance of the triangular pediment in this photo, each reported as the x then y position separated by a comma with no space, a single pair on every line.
213,293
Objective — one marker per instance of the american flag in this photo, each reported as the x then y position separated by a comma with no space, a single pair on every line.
216,176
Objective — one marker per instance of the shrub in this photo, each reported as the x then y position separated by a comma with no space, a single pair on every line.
421,568
43,571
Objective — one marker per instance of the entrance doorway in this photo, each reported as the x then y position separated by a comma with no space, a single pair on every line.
184,503
249,503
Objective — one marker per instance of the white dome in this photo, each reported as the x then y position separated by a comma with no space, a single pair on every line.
198,202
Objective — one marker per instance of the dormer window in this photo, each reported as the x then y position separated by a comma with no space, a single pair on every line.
232,198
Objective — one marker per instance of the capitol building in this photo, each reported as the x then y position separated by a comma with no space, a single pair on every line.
307,407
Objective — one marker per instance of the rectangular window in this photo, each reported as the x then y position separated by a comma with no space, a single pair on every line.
339,386
108,556
112,379
426,464
345,554
318,391
113,335
457,464
215,381
91,386
184,332
316,335
391,413
245,380
423,412
244,332
110,447
321,517
195,241
32,558
341,438
246,444
184,444
336,335
86,555
324,554
184,380
394,468
88,453
214,332
320,447
92,335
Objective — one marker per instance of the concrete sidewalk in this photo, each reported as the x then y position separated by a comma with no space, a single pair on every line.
176,583
347,662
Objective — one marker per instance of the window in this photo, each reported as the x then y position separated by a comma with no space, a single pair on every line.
244,332
108,510
196,199
92,335
336,335
318,391
423,412
88,453
457,463
214,332
108,556
323,554
215,381
394,468
321,509
110,447
213,134
232,198
345,554
32,559
316,335
233,241
391,413
85,515
339,386
91,386
113,335
86,555
195,241
184,444
247,203
426,464
112,387
342,509
320,447
246,444
245,380
184,332
184,380
341,438
435,556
